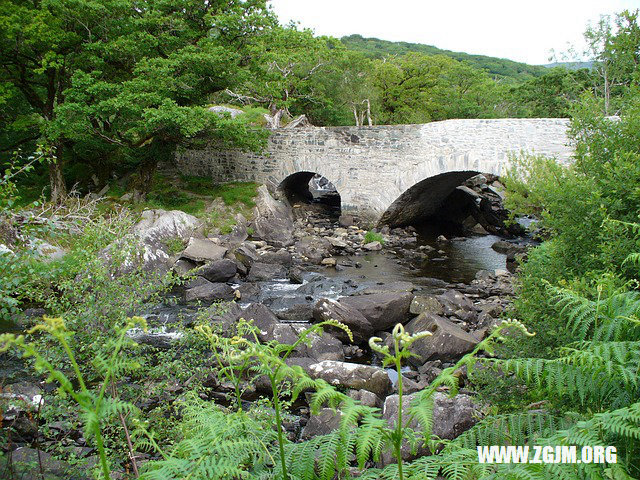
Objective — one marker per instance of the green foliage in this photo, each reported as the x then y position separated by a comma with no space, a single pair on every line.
96,407
418,88
216,444
371,236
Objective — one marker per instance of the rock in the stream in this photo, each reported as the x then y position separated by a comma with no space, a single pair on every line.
300,312
313,248
183,266
447,342
326,309
263,318
209,293
266,271
452,416
281,257
372,246
383,310
203,250
325,347
352,375
273,220
426,304
454,302
246,254
219,270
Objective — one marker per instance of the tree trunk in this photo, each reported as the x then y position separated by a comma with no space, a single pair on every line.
369,112
355,115
56,180
144,182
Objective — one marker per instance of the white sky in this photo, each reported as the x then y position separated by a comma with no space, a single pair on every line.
520,30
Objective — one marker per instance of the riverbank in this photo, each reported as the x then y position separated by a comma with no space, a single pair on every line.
286,268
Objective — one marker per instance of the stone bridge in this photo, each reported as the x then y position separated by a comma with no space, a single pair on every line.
395,173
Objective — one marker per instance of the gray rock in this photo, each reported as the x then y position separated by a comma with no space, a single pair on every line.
325,347
183,266
209,293
296,275
263,319
388,287
337,242
47,252
203,250
246,254
453,301
346,220
366,398
360,327
352,375
266,271
273,220
300,312
152,232
326,421
452,416
383,310
218,270
447,342
281,257
221,111
313,248
426,304
372,246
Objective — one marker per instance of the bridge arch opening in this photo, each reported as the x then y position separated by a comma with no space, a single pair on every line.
461,201
313,189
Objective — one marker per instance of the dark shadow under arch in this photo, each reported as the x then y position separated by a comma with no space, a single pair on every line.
310,187
424,199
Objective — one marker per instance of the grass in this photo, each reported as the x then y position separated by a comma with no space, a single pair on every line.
216,205
175,245
373,237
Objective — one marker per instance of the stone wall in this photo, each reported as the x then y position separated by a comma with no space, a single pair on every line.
372,166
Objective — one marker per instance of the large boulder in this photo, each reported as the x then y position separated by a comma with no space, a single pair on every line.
454,302
261,271
313,248
447,342
326,421
281,257
273,220
383,310
209,292
326,309
452,416
246,254
262,318
352,375
203,250
153,233
219,270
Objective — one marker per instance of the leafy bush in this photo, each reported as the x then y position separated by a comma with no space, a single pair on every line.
371,236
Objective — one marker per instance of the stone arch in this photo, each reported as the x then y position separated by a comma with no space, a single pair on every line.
297,187
424,198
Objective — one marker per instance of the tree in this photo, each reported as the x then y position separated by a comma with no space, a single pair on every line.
616,54
124,81
418,88
282,67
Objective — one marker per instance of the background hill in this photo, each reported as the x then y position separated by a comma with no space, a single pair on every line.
499,67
